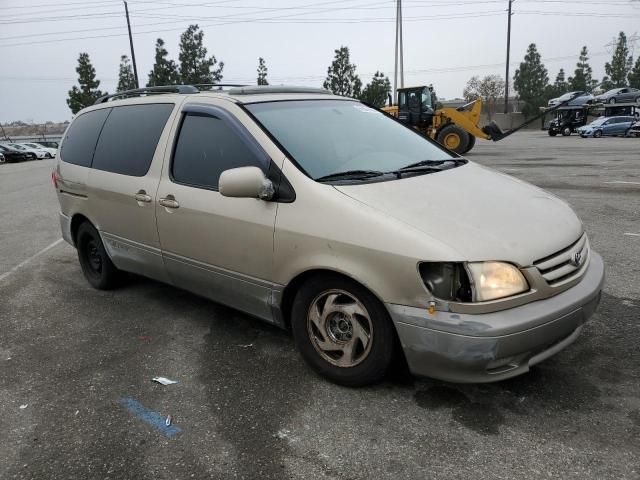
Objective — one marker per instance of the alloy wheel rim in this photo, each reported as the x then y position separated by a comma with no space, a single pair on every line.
340,328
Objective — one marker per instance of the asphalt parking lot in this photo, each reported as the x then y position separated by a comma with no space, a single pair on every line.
76,364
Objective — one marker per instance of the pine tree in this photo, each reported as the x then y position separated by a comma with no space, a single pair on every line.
582,76
88,92
126,79
341,75
377,92
634,75
531,81
561,82
262,72
621,63
165,71
195,66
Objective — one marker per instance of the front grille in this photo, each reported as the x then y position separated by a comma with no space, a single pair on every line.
565,264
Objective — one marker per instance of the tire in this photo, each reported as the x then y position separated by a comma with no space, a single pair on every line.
637,99
471,143
627,134
612,100
346,316
96,265
552,133
453,138
566,131
597,134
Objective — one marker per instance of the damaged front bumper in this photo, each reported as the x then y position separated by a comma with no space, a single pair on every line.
468,348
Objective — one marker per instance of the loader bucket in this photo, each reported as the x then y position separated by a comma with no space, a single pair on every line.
494,131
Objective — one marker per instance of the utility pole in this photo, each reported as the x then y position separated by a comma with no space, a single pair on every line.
399,52
506,75
133,54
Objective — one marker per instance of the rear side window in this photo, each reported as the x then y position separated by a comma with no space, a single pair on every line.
129,138
80,141
206,147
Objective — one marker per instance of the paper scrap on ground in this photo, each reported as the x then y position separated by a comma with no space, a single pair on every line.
22,407
163,381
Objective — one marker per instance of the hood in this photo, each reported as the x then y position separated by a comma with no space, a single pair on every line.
480,213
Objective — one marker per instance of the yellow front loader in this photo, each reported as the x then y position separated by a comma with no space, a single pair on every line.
454,128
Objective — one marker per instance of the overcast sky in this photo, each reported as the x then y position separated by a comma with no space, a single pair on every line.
445,41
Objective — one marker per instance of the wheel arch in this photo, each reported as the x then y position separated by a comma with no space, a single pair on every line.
292,287
76,220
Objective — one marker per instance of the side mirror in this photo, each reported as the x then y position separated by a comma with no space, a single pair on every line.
245,182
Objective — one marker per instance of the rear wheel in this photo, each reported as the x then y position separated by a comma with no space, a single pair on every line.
96,265
342,331
453,138
552,133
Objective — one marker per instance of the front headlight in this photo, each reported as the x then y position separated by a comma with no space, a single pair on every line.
492,280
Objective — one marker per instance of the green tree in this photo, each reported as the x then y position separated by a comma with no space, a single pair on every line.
634,75
561,83
126,79
87,93
582,76
377,92
165,71
262,72
195,65
621,63
341,75
531,81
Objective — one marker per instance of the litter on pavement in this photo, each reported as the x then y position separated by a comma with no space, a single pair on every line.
163,380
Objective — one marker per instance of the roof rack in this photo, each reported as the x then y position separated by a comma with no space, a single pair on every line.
255,90
217,86
137,92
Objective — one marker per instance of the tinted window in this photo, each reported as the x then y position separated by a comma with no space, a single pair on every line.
129,138
80,142
206,147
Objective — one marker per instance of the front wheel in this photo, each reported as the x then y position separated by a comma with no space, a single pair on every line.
453,138
566,131
552,133
96,265
597,133
342,331
612,100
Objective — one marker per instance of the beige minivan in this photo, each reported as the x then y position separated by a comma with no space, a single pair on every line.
325,216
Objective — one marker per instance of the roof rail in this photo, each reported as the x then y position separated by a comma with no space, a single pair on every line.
211,86
137,92
256,90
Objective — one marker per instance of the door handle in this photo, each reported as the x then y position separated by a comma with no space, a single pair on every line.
169,202
142,196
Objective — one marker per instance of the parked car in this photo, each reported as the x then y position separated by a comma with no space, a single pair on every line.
383,239
606,126
634,131
2,159
38,152
583,99
51,151
49,144
14,155
620,95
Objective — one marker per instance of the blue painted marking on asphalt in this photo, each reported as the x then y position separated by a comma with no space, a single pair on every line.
152,418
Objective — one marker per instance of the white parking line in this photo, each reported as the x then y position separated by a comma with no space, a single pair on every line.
23,263
627,183
632,234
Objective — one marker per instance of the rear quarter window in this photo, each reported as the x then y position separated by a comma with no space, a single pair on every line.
129,138
79,143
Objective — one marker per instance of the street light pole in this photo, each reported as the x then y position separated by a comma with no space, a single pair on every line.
506,75
133,54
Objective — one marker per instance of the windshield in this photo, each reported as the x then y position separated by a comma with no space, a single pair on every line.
18,147
331,136
599,121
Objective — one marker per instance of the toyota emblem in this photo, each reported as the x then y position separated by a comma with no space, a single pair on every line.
575,258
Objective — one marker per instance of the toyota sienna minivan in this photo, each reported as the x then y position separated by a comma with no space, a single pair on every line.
327,217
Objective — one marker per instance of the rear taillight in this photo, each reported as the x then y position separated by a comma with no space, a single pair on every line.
54,179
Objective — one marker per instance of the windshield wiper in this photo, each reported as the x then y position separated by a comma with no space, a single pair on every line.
433,163
350,175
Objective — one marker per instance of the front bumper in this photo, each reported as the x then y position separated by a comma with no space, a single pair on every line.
469,348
